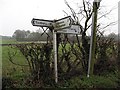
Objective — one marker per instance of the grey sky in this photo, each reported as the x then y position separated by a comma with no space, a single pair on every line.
17,14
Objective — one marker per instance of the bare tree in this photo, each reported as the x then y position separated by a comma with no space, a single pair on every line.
85,12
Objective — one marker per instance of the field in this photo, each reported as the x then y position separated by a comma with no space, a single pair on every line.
8,67
10,70
19,73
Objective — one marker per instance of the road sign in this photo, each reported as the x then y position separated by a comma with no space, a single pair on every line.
62,23
74,29
41,22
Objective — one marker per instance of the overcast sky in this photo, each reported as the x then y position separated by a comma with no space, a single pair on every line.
17,14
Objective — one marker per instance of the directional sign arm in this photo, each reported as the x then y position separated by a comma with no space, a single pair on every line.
41,22
62,23
74,29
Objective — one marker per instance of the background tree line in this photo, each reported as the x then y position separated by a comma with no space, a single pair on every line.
22,35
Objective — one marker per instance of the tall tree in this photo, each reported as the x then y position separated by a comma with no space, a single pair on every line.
83,18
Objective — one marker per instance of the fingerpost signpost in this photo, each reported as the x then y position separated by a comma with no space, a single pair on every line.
63,25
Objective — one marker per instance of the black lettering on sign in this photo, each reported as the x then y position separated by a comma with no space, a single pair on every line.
37,22
62,25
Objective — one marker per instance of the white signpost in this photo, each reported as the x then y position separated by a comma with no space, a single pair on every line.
41,22
62,23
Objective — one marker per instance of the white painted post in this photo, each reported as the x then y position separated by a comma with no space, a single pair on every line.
55,56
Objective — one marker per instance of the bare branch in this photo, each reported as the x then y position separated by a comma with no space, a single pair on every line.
73,12
86,22
65,12
110,24
85,8
105,14
89,26
81,19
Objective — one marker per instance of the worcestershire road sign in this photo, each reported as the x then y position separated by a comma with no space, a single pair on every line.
41,22
62,23
74,29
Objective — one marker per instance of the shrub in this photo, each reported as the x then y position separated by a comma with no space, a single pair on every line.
7,82
91,82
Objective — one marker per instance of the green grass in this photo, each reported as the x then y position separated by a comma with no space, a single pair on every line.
9,69
9,41
91,82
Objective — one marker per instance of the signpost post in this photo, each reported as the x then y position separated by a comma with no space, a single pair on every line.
55,56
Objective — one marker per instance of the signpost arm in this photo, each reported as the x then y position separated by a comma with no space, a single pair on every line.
55,56
93,38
